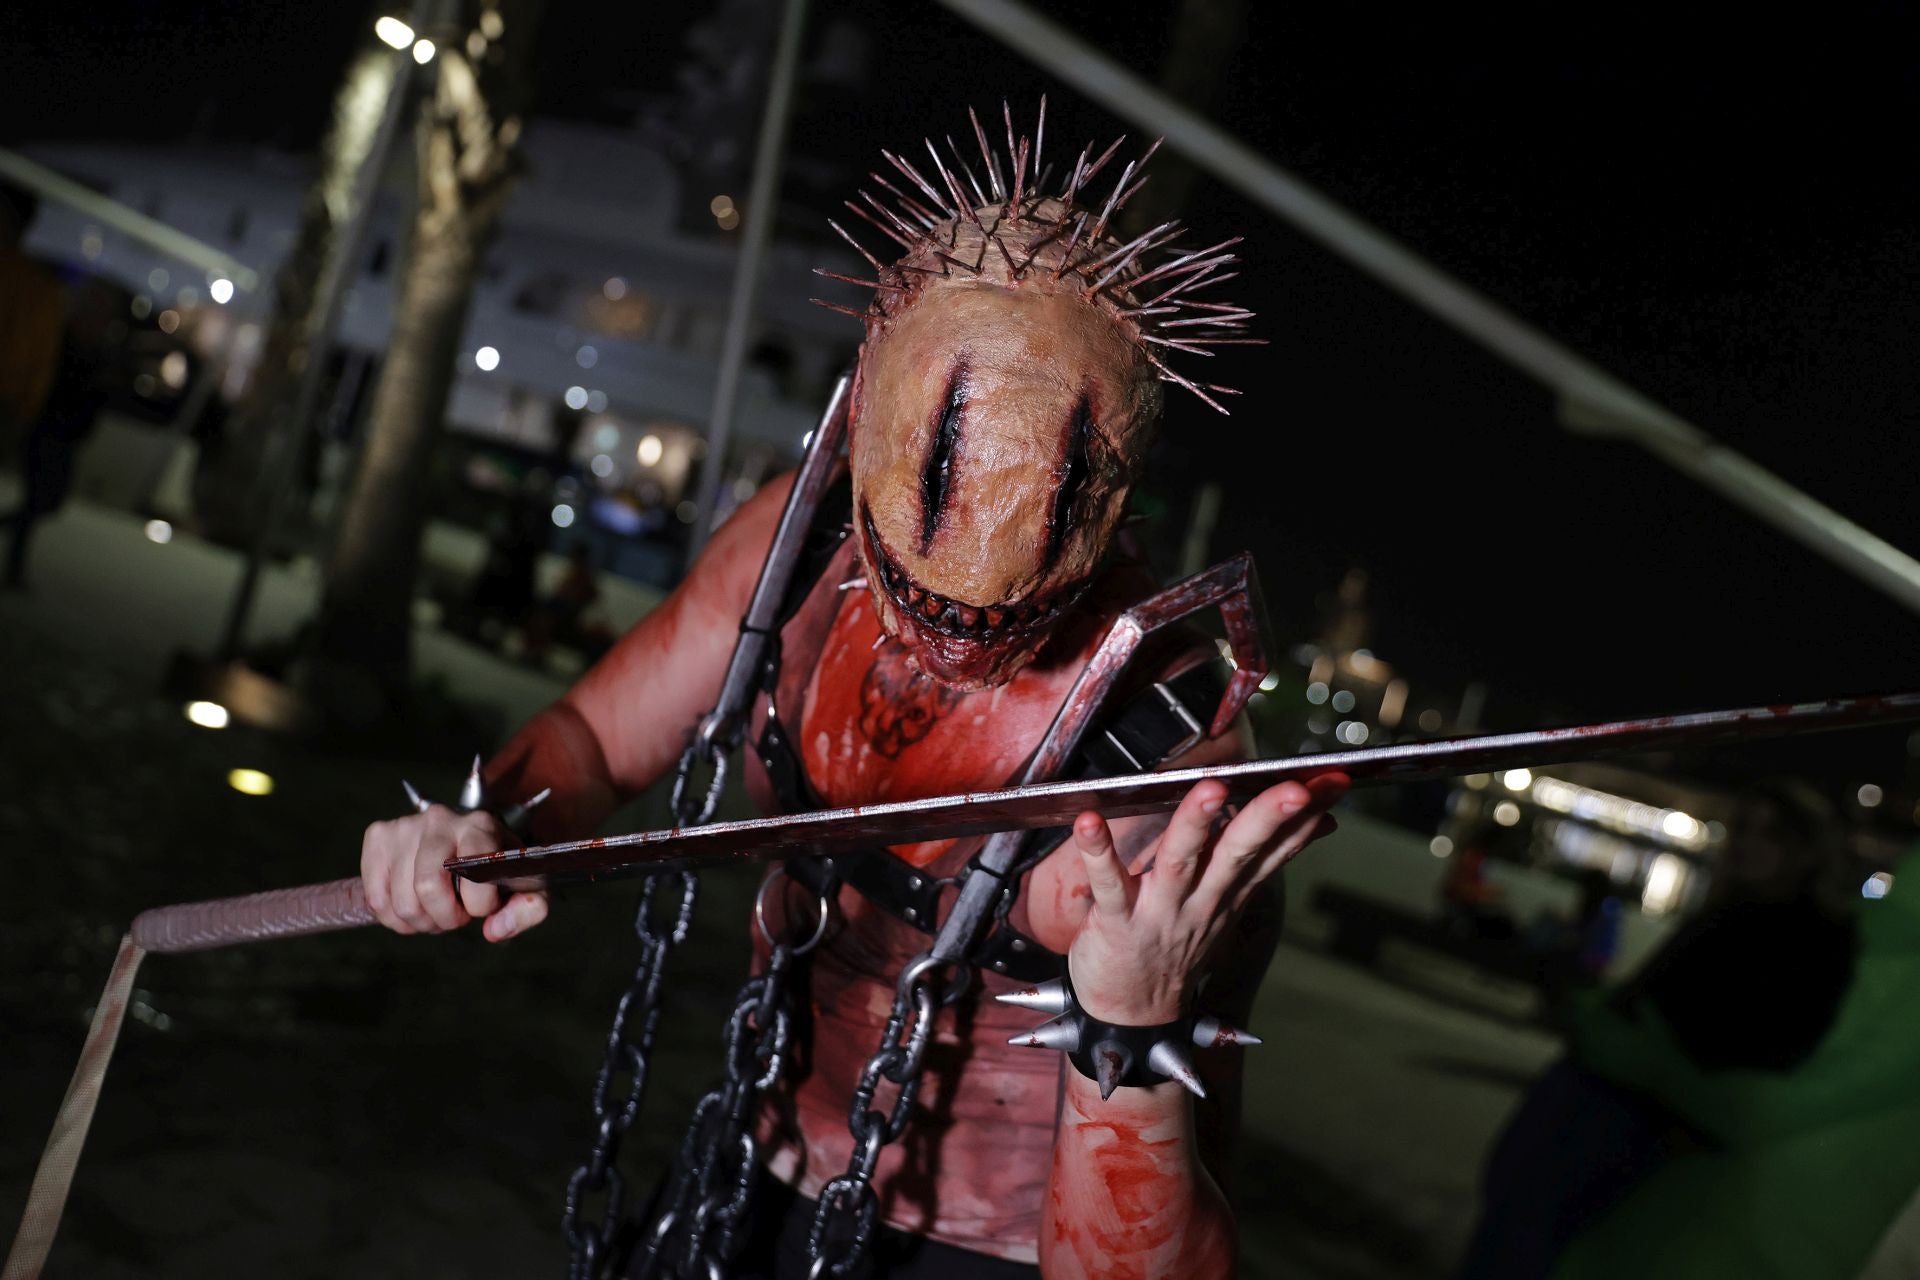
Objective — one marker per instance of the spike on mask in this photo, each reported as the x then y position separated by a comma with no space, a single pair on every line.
1007,387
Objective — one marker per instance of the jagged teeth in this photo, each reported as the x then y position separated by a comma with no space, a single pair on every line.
1210,1032
958,618
1048,997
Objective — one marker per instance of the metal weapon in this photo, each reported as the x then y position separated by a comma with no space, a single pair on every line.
709,1198
341,904
338,905
1050,804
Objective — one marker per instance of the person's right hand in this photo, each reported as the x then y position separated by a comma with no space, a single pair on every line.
410,891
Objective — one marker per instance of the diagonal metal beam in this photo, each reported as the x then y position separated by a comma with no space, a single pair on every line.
1591,399
125,219
763,199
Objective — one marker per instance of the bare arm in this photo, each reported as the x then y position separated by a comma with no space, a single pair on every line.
610,736
1130,1190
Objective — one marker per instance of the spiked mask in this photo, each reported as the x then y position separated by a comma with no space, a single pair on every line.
1007,388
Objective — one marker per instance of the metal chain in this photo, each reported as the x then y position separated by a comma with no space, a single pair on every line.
698,1228
842,1230
590,1240
756,1037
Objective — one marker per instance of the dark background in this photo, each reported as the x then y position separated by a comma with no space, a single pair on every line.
1718,209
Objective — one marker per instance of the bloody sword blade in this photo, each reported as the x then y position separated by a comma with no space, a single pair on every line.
1051,804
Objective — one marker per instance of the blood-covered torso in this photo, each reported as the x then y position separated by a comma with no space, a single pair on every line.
972,1167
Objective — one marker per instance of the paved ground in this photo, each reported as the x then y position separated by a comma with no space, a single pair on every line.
374,1106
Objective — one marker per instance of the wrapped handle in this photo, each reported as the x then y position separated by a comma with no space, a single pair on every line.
254,917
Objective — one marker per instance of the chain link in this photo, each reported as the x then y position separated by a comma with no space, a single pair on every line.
620,1085
843,1220
704,749
760,1029
698,1231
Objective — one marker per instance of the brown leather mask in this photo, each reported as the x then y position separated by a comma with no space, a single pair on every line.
1005,394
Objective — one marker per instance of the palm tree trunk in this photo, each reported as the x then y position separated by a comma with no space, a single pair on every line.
358,661
228,502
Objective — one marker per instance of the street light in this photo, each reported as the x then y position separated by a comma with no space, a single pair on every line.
393,32
250,782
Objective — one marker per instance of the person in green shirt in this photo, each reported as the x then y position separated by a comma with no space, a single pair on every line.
1749,1105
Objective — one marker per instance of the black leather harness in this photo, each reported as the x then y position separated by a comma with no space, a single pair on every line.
1162,721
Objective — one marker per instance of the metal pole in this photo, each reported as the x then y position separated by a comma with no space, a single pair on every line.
330,302
1591,398
763,194
128,221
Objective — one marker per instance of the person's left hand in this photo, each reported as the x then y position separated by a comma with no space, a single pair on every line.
1138,955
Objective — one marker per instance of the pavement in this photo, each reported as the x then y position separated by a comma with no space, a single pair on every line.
368,1105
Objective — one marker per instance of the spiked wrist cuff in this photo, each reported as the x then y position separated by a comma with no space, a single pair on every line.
1133,1056
1112,1055
473,795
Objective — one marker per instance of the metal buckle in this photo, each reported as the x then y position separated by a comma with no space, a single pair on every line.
1195,731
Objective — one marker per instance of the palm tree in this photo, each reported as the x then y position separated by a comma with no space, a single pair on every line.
357,664
230,500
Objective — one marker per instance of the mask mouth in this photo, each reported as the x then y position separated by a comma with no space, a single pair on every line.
974,627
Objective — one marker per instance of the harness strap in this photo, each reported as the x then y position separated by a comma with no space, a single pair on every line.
1163,720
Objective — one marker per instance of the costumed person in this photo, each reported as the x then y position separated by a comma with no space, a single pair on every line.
1008,383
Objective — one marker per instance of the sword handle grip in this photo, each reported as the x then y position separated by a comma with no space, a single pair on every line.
254,917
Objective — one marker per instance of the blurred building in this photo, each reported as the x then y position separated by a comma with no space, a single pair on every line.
591,349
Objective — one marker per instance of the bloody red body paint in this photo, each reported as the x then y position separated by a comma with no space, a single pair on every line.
1008,382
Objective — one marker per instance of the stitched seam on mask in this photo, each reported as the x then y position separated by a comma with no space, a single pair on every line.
1079,466
936,477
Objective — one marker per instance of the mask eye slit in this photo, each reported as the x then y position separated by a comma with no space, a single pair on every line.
936,480
1079,465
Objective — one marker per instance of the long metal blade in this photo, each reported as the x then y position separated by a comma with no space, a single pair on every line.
1050,804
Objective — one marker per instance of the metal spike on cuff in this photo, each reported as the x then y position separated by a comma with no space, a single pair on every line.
473,792
1063,1033
1170,1059
1112,1057
419,802
1111,1061
1049,997
473,797
515,814
1210,1032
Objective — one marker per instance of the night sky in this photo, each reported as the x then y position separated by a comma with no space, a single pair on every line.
1721,214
